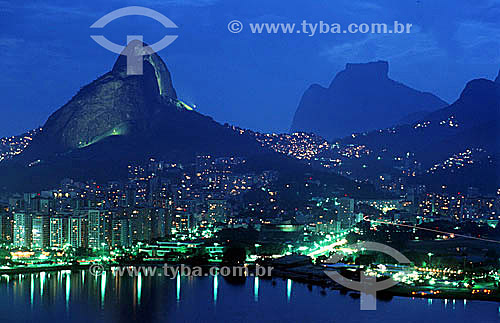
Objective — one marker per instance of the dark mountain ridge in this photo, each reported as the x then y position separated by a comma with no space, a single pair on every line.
360,98
473,117
472,122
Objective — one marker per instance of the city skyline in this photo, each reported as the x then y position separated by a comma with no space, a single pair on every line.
209,161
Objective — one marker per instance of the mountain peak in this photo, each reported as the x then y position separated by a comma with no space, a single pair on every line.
120,102
478,104
360,98
135,60
478,88
497,80
378,68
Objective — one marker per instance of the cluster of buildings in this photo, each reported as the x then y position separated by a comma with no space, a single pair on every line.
192,201
159,199
300,145
330,214
419,206
12,146
36,221
471,206
461,160
186,203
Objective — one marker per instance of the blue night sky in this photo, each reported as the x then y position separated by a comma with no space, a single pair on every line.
253,81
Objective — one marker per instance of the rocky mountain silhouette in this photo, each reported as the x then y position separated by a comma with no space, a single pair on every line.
118,119
342,108
472,122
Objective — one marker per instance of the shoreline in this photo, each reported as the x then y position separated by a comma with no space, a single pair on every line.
30,270
398,290
315,277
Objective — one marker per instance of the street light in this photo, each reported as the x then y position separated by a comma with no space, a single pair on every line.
430,254
256,249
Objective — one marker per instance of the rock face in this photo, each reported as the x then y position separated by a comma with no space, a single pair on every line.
151,59
360,98
114,104
472,122
120,119
478,104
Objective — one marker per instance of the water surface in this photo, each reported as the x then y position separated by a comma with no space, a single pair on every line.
80,297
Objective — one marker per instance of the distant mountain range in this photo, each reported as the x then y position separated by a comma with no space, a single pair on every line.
120,119
360,98
472,120
471,123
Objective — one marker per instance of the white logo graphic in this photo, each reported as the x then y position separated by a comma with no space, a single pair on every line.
368,285
134,53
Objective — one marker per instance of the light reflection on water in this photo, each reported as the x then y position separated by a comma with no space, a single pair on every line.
80,297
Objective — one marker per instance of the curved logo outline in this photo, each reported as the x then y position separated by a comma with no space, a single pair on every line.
133,11
368,285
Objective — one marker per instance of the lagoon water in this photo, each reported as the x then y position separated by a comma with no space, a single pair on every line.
67,296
